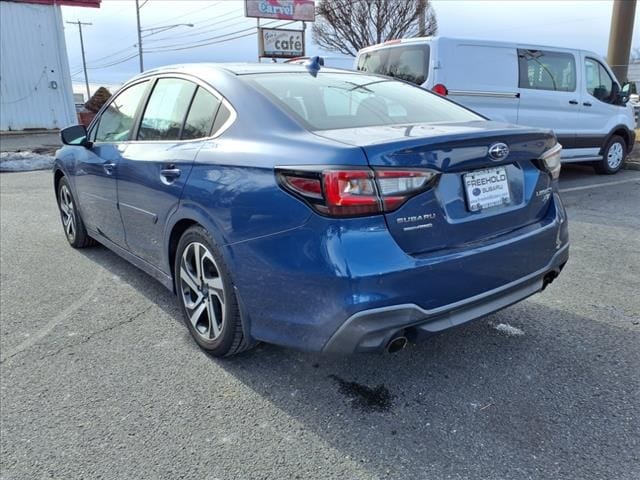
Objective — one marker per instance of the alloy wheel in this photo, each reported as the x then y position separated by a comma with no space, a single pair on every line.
202,291
615,155
68,216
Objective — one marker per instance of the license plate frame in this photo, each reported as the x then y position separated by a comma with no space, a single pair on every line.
486,188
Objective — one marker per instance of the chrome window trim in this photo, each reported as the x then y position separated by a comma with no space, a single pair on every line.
478,93
200,83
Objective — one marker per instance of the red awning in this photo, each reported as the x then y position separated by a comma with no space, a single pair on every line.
70,3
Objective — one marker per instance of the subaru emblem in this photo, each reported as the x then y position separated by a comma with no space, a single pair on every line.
498,151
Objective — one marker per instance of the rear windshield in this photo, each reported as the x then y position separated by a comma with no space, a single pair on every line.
350,100
409,63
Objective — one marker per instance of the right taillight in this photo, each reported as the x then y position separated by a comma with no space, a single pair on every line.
440,89
551,160
356,192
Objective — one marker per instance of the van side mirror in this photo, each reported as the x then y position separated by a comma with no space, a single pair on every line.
75,135
624,94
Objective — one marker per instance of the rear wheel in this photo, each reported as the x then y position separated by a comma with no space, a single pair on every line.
206,295
614,155
72,223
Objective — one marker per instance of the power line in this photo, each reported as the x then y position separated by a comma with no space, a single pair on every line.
170,48
211,40
183,15
200,26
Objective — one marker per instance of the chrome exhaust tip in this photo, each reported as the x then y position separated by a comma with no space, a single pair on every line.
396,344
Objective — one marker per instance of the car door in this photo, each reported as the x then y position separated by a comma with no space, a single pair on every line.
97,167
597,106
549,96
154,168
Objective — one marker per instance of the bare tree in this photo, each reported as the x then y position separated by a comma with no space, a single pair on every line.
346,26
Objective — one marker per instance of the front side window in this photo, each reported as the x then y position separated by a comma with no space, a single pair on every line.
543,70
201,115
166,110
409,63
117,121
599,82
346,100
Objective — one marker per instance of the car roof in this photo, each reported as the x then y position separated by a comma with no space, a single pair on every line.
198,69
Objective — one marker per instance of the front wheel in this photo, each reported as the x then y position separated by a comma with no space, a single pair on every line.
206,295
72,223
614,155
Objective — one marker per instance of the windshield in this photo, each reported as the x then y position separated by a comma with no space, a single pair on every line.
348,100
409,63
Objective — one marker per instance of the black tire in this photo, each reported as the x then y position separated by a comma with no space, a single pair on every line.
613,156
227,337
72,223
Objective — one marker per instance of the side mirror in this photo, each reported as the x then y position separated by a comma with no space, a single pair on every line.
624,94
75,135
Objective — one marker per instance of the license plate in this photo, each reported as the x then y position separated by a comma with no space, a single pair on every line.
487,188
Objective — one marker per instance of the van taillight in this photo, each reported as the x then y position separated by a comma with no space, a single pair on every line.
440,89
354,192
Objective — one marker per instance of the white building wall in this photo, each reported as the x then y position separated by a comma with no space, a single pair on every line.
35,83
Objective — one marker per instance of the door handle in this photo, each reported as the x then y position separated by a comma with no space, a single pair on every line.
170,173
573,102
108,167
587,104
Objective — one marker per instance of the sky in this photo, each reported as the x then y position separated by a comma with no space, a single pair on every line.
110,40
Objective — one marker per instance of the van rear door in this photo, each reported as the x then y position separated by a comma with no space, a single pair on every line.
549,96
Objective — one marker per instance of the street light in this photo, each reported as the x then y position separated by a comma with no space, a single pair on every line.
157,30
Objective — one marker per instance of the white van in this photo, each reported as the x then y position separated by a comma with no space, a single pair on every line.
572,92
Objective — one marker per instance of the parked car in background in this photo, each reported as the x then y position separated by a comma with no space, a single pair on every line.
325,210
573,92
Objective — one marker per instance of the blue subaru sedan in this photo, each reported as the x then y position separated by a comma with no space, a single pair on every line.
314,208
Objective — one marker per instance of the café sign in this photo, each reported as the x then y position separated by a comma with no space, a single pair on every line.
281,43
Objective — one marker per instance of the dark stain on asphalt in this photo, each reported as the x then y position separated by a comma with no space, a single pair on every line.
368,399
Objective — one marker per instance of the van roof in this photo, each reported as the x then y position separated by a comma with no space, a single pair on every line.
474,41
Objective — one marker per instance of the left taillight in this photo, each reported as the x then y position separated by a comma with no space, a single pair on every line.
355,192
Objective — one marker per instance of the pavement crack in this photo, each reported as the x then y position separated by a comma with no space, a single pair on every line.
89,337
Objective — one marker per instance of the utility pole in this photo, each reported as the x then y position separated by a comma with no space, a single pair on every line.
422,18
84,62
139,36
624,12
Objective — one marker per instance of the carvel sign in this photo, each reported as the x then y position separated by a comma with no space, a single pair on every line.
303,10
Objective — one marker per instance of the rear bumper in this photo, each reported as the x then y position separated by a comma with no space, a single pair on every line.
371,330
346,285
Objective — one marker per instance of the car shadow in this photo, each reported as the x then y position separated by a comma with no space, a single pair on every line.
531,391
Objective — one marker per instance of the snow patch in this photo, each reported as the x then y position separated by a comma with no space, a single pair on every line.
24,161
508,329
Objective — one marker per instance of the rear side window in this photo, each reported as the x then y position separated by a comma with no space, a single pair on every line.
221,118
599,82
409,63
116,122
543,70
166,109
203,110
350,100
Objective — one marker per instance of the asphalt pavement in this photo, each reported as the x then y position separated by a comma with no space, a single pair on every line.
99,378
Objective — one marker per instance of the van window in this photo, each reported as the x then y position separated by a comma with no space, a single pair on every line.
543,70
409,63
599,82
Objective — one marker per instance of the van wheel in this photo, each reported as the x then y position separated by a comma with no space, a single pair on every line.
614,155
206,295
